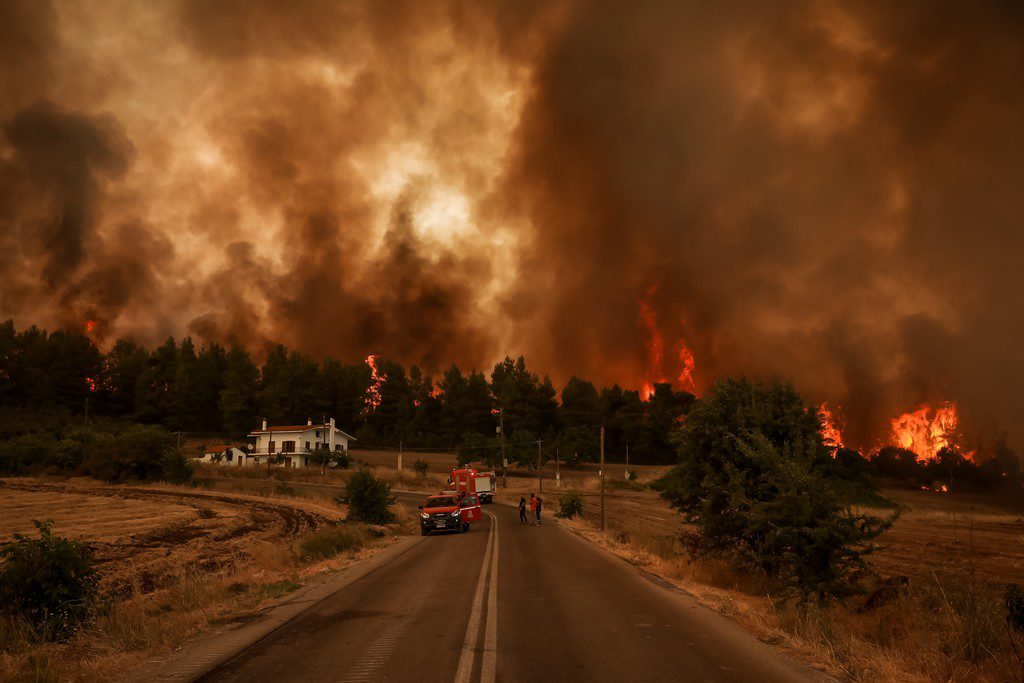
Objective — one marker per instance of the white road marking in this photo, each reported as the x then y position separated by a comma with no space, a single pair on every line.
465,670
489,663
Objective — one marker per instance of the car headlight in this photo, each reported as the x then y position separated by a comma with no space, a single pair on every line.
456,513
424,515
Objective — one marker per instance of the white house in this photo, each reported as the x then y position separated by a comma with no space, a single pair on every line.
228,454
294,445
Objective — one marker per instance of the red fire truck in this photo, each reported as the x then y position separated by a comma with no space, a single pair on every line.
468,480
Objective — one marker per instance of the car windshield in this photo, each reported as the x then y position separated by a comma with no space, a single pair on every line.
441,502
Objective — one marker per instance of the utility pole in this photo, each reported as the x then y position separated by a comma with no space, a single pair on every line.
601,474
627,462
540,473
85,436
558,477
399,456
504,460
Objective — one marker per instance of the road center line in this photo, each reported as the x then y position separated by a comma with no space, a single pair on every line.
465,670
489,663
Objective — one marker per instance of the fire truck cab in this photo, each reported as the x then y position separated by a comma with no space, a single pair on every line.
468,481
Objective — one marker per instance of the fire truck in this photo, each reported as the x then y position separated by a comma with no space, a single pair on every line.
469,481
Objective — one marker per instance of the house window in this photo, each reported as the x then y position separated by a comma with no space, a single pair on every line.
288,447
337,446
270,448
307,445
231,456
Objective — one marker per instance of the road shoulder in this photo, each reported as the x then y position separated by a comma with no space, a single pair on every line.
219,646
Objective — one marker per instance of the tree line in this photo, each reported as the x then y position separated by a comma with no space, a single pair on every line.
222,391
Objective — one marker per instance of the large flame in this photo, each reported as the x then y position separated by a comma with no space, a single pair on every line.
926,430
655,344
830,433
372,398
689,364
655,373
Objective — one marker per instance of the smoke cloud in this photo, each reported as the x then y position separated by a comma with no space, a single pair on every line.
811,190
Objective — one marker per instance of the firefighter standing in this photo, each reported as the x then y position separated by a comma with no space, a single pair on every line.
522,510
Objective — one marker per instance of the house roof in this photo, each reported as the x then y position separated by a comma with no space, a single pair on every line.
300,428
221,448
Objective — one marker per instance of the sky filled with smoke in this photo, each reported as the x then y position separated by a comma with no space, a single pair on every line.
825,192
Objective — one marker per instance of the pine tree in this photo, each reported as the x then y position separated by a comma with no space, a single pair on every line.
240,396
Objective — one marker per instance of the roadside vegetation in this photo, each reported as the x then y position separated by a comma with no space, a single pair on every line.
773,535
167,562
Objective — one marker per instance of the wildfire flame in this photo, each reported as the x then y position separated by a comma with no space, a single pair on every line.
91,381
656,350
926,430
372,398
655,343
689,363
830,433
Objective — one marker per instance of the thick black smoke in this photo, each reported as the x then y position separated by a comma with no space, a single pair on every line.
823,192
819,191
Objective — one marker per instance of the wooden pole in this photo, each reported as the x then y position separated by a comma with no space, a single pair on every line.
540,465
601,475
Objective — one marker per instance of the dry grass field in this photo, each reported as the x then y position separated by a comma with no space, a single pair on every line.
172,561
958,552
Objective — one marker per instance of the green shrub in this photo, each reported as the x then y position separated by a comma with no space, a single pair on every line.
421,467
137,453
177,468
751,479
38,452
50,582
570,504
330,541
368,499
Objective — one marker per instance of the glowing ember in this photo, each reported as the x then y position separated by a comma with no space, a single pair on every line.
944,488
926,431
830,433
90,326
372,399
91,382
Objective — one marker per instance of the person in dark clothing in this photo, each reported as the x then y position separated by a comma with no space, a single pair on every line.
522,510
540,502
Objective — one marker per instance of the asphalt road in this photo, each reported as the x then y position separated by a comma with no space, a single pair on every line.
510,603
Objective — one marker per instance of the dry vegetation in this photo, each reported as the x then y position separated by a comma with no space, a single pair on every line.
173,561
958,552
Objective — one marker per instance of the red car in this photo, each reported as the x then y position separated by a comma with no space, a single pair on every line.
449,511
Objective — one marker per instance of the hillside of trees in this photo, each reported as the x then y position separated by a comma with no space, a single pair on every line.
222,392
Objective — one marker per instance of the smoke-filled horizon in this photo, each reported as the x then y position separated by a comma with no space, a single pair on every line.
810,190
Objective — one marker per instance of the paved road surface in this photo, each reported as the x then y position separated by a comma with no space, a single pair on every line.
510,603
